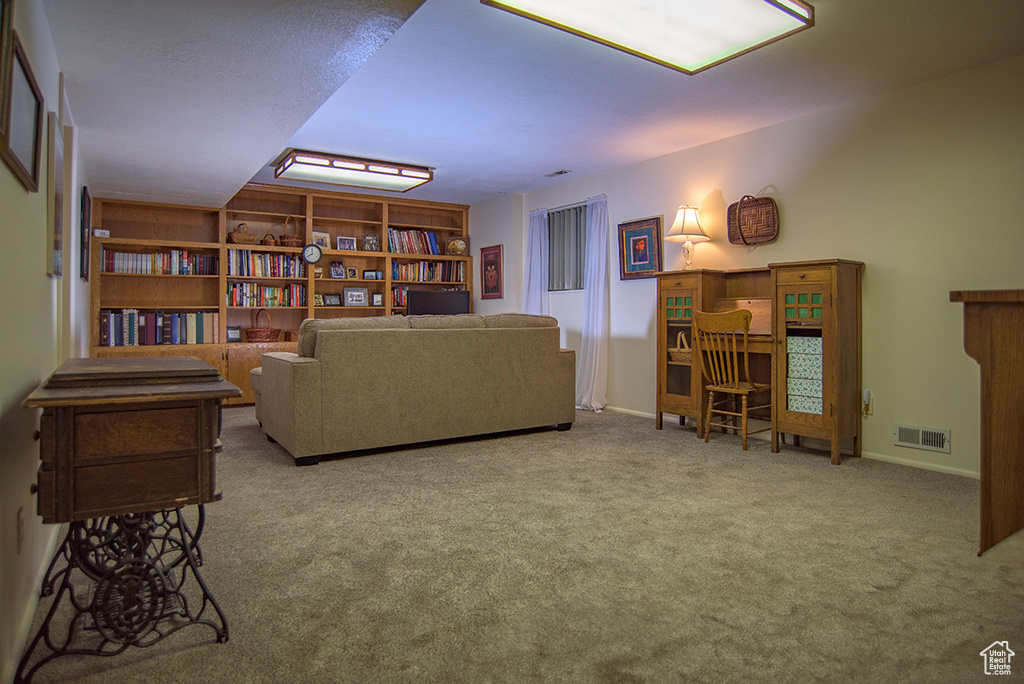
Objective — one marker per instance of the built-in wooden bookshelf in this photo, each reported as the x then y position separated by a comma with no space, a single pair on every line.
170,265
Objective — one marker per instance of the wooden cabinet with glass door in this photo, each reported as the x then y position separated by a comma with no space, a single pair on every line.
817,375
679,293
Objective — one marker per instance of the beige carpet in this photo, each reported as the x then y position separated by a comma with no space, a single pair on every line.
610,553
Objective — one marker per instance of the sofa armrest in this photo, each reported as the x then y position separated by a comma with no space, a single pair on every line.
288,402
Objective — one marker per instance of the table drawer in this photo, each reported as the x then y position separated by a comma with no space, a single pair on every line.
802,276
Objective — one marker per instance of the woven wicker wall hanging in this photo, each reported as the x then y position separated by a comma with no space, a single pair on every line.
753,220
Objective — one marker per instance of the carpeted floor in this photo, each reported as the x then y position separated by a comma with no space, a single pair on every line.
610,553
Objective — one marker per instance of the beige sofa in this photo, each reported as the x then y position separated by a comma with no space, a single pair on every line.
364,383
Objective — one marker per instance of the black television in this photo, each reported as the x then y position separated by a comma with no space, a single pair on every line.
422,302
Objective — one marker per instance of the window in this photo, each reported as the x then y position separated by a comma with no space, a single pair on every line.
567,247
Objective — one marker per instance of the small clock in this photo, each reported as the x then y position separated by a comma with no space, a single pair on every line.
311,253
457,246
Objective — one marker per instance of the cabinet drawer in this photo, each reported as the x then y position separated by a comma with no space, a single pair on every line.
687,281
800,276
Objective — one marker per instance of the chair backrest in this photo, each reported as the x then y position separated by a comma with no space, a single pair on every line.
722,342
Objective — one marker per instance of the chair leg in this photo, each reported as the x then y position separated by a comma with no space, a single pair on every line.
707,415
744,421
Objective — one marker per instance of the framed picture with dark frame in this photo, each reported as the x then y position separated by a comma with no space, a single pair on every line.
490,271
332,299
23,118
377,299
85,231
337,269
6,35
640,248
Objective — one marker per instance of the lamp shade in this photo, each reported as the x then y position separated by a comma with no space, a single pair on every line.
687,225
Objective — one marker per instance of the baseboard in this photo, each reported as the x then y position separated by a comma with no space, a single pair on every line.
812,443
28,614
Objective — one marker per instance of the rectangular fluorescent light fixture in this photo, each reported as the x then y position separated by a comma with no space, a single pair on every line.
686,35
321,167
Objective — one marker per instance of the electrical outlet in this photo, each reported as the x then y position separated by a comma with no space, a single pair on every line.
21,528
869,407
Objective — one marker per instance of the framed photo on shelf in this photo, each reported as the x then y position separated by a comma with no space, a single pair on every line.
85,242
352,272
337,269
332,299
23,117
457,246
371,243
318,299
490,272
640,248
356,296
322,240
377,299
346,243
369,275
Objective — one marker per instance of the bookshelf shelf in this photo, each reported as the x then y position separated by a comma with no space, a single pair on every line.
154,234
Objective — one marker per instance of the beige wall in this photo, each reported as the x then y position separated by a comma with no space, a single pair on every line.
920,184
42,324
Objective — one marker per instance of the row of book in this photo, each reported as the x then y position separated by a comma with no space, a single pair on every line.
174,262
246,263
265,296
412,242
430,272
131,327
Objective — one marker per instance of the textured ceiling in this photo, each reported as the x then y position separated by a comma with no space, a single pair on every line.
185,101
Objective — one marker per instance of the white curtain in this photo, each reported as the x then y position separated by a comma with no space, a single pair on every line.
592,369
535,280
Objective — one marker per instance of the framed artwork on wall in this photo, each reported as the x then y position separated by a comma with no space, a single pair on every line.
23,118
85,234
6,35
55,195
640,248
490,272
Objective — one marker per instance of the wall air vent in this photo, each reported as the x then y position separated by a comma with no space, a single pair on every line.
929,439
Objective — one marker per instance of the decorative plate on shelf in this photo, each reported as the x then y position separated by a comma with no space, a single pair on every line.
457,246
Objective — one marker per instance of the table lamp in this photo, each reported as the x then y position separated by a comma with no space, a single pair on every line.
686,229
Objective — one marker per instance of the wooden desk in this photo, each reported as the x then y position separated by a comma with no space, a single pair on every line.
993,328
808,308
127,435
125,445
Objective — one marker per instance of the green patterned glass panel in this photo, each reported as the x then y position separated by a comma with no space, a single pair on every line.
815,298
791,299
688,301
804,312
815,312
687,313
670,301
679,313
671,313
802,298
790,312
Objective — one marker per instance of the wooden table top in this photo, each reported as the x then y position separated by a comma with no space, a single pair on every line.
122,380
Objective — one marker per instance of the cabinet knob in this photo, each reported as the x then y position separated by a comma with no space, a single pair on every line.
801,275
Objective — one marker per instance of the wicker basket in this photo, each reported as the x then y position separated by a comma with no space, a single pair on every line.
288,239
258,334
242,236
680,353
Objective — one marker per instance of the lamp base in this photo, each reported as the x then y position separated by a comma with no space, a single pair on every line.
688,254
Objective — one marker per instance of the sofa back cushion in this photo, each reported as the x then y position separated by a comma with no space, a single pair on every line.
443,321
311,326
519,320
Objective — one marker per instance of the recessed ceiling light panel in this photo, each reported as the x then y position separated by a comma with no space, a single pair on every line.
321,167
686,35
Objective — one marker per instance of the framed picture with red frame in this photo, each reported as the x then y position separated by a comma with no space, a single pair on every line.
490,272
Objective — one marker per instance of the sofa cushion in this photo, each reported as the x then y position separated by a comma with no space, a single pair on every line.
310,327
444,322
519,320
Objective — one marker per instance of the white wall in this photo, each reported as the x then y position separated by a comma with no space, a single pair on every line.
489,224
920,184
40,315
